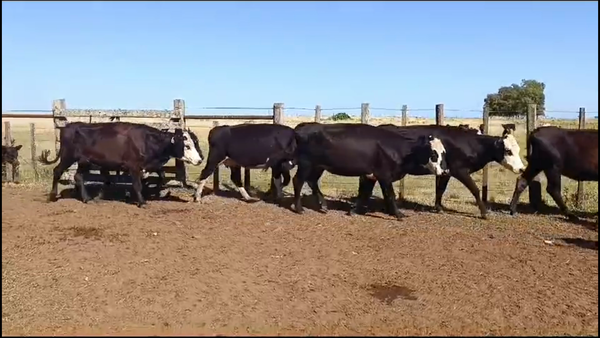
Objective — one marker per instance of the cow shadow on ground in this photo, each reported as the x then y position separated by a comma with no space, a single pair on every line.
582,243
585,219
118,193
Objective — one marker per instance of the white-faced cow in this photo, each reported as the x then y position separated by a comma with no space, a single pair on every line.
467,152
556,151
119,146
361,150
248,146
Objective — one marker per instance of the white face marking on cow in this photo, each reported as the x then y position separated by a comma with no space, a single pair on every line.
438,147
190,154
512,160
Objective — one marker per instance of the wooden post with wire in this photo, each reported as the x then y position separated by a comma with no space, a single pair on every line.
580,189
535,186
318,113
364,113
403,123
34,166
486,168
216,172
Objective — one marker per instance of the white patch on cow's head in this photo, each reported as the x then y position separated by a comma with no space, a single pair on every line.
190,153
479,132
438,152
512,160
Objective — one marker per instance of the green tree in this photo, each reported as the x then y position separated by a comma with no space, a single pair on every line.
513,100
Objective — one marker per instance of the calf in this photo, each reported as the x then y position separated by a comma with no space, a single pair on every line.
119,146
249,146
10,155
467,152
556,152
361,150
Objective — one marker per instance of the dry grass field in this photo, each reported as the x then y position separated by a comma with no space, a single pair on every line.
227,267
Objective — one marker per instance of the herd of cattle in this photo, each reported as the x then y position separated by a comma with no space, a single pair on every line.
383,154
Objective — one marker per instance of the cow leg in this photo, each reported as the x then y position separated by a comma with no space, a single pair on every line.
365,191
464,178
389,196
106,175
136,182
520,186
161,184
236,178
313,183
57,173
554,189
81,184
276,190
441,183
298,181
215,157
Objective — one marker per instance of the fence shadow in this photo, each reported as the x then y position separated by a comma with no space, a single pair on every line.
586,218
121,193
582,243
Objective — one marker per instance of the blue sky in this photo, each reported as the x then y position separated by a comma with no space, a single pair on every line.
337,54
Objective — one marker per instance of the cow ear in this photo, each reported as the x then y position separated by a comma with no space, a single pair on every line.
18,147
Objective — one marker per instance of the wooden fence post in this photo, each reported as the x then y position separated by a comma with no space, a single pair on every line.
535,187
179,113
439,120
216,173
486,169
58,107
579,197
34,165
318,113
7,142
364,113
278,113
403,123
439,114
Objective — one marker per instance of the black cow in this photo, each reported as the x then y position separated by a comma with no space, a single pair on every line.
467,152
347,149
556,151
10,155
248,146
119,146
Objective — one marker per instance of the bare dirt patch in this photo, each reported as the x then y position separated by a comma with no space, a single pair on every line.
227,267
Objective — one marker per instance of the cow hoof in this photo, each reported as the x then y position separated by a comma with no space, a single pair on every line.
142,205
323,210
400,217
164,194
484,216
52,198
572,218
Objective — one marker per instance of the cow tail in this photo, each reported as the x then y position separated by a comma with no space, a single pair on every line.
43,158
288,153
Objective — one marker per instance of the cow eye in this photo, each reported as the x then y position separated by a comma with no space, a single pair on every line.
508,152
188,147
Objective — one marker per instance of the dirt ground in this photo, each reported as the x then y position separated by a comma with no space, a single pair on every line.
227,267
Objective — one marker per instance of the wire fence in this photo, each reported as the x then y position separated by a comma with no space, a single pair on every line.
420,189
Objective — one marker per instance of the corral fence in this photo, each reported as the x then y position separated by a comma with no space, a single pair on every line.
161,119
176,118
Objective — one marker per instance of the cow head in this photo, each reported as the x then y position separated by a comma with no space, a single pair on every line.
507,153
432,155
10,154
187,147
